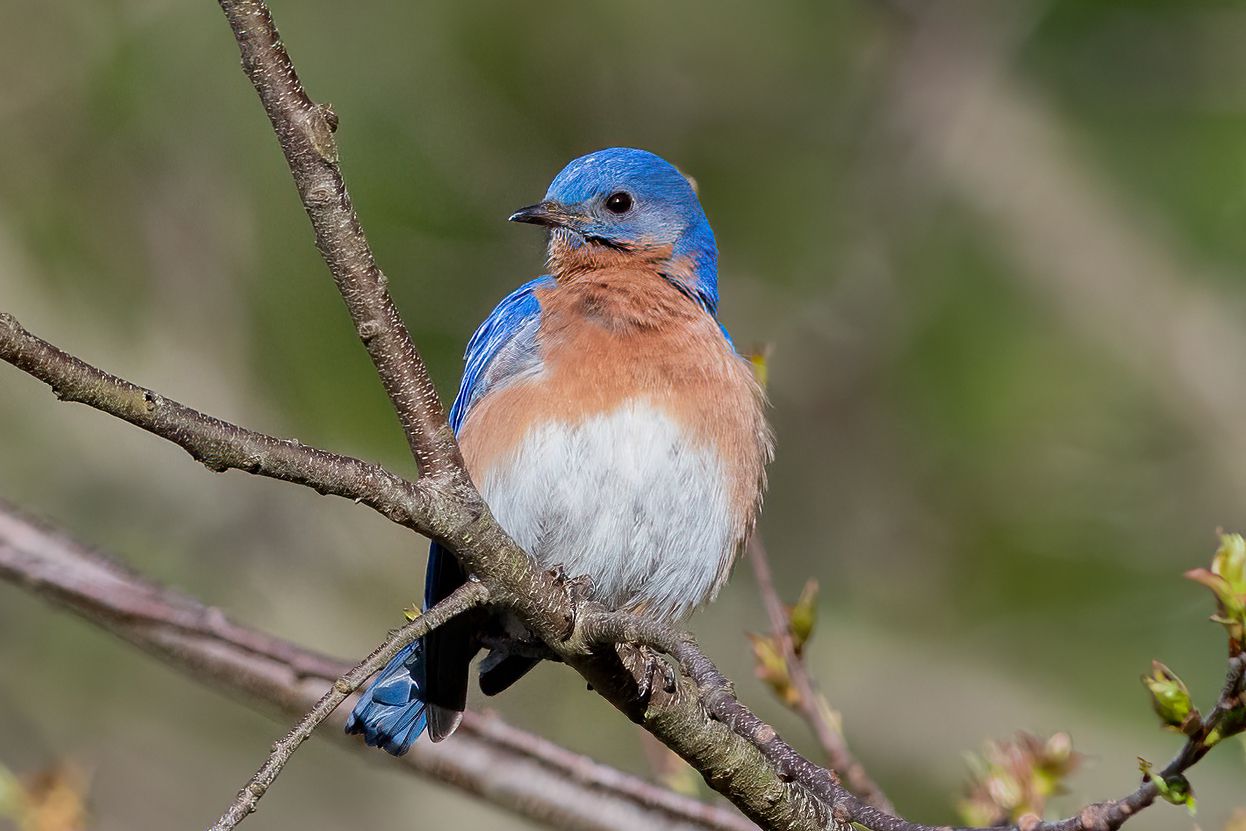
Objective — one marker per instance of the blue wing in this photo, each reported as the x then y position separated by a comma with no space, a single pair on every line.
426,684
503,347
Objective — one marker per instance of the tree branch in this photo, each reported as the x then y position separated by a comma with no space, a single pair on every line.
739,755
467,596
829,735
511,768
766,778
219,445
305,132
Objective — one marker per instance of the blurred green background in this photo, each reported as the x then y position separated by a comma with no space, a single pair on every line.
997,248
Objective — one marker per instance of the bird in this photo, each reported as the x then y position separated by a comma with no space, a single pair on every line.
608,421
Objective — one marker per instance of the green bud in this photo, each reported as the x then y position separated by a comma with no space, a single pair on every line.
1175,789
1170,698
802,617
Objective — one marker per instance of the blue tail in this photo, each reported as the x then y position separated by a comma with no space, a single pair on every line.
392,714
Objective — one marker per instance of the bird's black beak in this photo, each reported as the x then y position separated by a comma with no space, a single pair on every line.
548,214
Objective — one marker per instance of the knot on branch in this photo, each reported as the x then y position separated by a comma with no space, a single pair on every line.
1094,818
9,327
319,123
369,329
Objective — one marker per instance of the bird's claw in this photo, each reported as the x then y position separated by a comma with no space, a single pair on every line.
652,665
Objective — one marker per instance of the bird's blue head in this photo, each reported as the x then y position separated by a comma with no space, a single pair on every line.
627,201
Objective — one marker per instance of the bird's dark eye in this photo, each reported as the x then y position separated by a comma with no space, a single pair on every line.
618,203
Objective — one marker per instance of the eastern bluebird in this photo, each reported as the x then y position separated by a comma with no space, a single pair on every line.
607,421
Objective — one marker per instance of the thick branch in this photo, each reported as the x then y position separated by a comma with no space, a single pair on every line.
305,132
466,596
501,764
840,758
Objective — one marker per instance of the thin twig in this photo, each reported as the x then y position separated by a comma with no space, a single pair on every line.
511,768
467,596
1227,717
811,704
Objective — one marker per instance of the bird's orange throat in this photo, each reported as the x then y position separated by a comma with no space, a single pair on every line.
628,282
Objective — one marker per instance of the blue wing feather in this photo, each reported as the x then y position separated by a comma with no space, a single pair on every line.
501,347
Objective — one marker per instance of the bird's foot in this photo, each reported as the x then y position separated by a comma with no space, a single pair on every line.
652,665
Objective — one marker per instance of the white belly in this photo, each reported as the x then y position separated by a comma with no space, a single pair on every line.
625,498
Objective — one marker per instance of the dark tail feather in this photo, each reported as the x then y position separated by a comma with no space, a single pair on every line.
498,676
391,714
448,650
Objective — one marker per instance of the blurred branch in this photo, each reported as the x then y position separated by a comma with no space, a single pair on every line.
809,701
467,596
980,131
513,769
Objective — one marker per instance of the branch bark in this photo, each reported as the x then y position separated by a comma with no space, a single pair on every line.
508,767
305,131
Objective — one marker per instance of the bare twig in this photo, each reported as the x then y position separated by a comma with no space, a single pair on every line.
466,596
509,767
1228,718
810,703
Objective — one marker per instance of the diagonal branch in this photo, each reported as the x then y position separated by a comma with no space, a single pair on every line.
217,444
509,767
305,132
810,702
467,596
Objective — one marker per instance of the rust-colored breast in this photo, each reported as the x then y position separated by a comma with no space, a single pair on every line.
617,334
